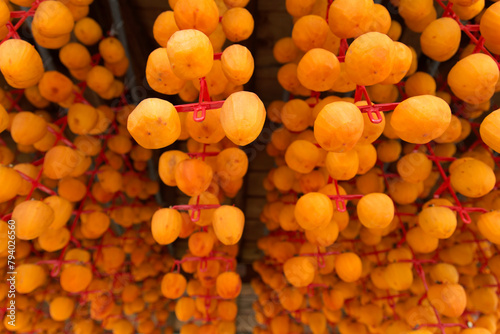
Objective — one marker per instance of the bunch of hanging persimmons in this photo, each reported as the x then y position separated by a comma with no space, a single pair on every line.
80,228
384,206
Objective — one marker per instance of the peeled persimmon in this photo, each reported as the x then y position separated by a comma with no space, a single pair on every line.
472,177
61,308
237,64
299,271
339,126
87,31
20,63
193,176
318,70
228,285
421,119
342,166
473,78
487,224
348,267
159,73
32,219
401,65
200,243
201,15
173,285
29,277
154,123
440,39
370,58
313,210
190,53
414,167
375,210
489,25
242,117
164,27
490,130
437,221
237,24
232,163
27,128
60,161
228,223
350,19
166,225
450,299
309,32
12,182
167,164
208,131
302,156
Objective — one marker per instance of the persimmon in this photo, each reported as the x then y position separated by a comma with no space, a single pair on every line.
339,126
29,277
100,79
471,177
421,119
61,308
20,63
27,128
173,285
348,267
440,39
449,299
52,240
190,54
473,78
242,117
318,70
184,309
488,25
370,58
489,130
420,83
487,226
87,31
166,225
309,32
32,219
159,73
200,243
237,24
228,285
302,156
12,181
228,223
414,167
285,50
237,64
199,15
154,123
193,176
164,27
375,210
342,166
167,164
60,161
313,210
299,271
208,131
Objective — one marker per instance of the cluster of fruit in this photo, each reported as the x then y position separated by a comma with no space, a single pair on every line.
192,63
76,187
383,222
